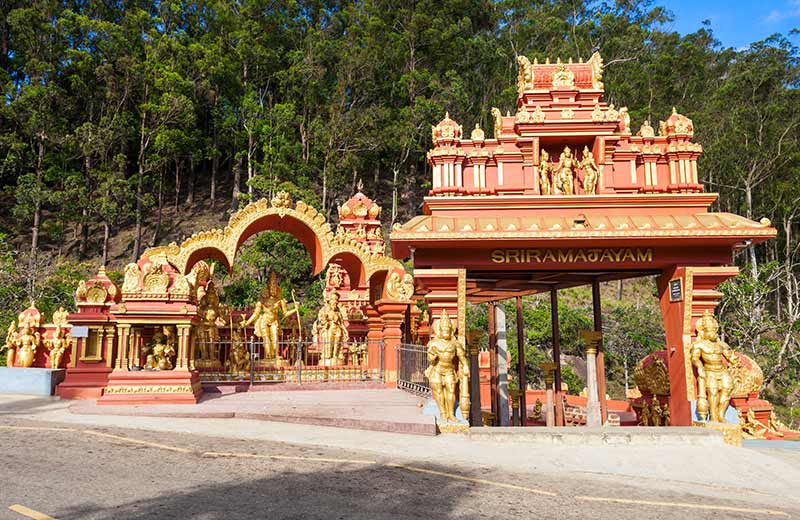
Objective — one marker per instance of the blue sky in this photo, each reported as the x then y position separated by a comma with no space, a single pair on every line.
735,23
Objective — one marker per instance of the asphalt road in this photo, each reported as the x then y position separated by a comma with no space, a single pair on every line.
70,471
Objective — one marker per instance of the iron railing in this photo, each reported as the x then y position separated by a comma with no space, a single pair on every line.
227,361
412,360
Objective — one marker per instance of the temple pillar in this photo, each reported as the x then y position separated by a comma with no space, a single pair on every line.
393,314
557,356
124,334
184,346
502,365
375,356
521,366
685,293
550,416
591,339
600,358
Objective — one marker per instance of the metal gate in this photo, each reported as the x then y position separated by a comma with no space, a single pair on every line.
412,360
296,362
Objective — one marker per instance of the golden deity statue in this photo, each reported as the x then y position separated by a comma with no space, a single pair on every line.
545,171
714,381
330,331
208,336
563,177
28,339
9,346
444,351
590,172
61,339
239,357
266,316
163,350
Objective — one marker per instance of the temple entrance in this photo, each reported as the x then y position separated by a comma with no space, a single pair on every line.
169,329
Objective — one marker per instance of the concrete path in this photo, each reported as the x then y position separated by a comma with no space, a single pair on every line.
718,471
366,409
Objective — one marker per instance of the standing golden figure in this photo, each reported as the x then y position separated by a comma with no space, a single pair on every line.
714,381
9,346
28,338
266,316
330,331
545,171
444,350
564,175
590,172
57,344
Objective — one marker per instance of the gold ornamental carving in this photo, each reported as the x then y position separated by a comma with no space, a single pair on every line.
747,377
477,133
596,62
156,280
153,389
61,338
497,117
400,289
132,276
524,74
563,77
652,379
646,130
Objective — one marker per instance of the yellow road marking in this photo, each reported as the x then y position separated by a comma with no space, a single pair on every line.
30,513
137,441
476,480
684,505
284,457
37,428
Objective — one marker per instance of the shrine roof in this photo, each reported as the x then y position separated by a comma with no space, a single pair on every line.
666,226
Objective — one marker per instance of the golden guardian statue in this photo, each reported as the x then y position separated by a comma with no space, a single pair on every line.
444,351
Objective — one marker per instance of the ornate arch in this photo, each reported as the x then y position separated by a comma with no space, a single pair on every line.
302,221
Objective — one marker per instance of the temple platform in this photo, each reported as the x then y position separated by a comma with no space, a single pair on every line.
34,381
363,409
605,436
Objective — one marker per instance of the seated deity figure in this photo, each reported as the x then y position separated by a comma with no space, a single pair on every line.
714,381
161,353
266,316
444,351
545,170
565,172
329,330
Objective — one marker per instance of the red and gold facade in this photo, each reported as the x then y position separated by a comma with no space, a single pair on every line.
565,193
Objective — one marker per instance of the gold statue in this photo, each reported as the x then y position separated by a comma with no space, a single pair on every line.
443,351
646,130
590,172
714,381
563,77
163,350
329,330
545,170
752,427
565,172
645,416
209,328
10,346
665,415
239,357
57,345
497,117
524,74
655,412
266,316
27,339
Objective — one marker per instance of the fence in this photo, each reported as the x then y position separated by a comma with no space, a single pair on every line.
296,362
412,360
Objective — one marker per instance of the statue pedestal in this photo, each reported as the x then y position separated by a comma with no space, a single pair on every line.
34,381
156,387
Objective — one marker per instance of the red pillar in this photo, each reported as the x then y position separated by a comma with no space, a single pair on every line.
680,309
600,360
392,314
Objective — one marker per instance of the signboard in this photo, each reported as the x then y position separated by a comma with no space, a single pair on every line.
675,290
570,256
79,331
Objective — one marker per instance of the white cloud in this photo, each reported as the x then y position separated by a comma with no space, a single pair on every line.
792,10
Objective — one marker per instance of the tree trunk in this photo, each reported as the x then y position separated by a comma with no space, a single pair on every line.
237,179
106,234
37,215
137,243
177,184
192,182
160,211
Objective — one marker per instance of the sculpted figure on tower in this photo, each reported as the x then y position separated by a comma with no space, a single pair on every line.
563,177
266,316
714,381
444,351
545,171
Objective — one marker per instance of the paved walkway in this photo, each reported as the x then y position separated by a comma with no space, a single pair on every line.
720,471
365,409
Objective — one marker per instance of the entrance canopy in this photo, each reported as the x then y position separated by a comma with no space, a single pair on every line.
563,194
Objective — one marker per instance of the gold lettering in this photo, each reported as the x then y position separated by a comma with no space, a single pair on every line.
513,253
537,255
628,254
498,256
580,256
645,256
565,256
617,255
607,254
549,256
594,255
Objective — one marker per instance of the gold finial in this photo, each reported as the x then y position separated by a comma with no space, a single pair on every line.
674,111
535,61
570,60
547,61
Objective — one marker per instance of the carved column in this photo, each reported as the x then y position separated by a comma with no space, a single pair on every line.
550,417
374,338
184,346
592,338
124,333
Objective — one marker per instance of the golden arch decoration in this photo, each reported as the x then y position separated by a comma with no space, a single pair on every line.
304,222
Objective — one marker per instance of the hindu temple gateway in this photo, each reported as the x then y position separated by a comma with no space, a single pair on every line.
562,193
